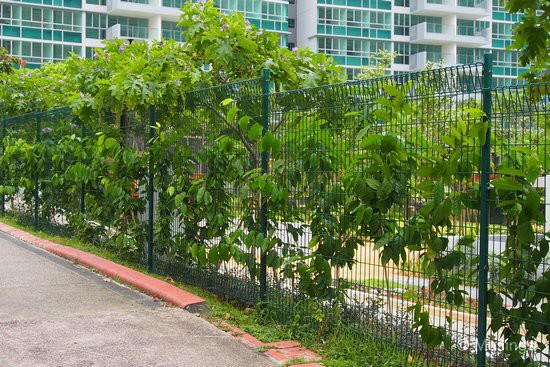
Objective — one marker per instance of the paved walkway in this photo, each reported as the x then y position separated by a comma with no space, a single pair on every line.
54,313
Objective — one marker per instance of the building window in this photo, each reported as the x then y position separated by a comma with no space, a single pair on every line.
170,30
403,51
402,23
96,25
173,3
36,53
291,45
291,23
40,18
502,31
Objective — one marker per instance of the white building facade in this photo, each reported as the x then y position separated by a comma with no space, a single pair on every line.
351,31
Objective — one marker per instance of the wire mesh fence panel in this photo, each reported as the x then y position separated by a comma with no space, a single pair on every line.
519,261
350,157
203,205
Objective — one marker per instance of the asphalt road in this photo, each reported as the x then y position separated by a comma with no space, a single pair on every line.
55,313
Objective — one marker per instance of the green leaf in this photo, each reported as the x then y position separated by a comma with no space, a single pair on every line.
201,256
532,205
232,113
374,184
255,131
243,123
479,130
371,140
507,183
179,199
441,212
227,101
268,141
383,115
509,171
200,193
170,190
391,90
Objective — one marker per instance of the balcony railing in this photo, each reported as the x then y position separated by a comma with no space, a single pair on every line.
466,9
127,31
420,60
435,34
142,9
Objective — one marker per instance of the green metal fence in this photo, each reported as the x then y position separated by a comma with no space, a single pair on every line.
311,202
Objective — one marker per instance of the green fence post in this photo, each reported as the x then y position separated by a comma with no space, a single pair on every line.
83,186
265,169
36,177
150,193
484,215
3,196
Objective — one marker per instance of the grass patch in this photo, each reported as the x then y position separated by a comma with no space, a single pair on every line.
338,348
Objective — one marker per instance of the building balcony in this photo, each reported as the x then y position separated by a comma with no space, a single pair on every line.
127,32
435,34
431,7
142,9
421,60
464,9
473,9
468,37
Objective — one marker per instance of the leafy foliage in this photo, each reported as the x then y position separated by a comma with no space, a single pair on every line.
532,35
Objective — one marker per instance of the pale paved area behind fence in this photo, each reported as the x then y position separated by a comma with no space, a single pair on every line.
54,313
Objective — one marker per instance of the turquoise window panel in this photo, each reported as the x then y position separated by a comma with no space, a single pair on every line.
366,32
31,33
47,2
498,43
73,3
354,32
47,34
72,37
354,3
256,22
384,5
33,66
33,1
92,33
498,70
382,33
354,61
339,30
268,24
58,36
11,31
58,2
321,29
498,15
366,61
339,59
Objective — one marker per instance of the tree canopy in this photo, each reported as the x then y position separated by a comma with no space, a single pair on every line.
532,36
219,48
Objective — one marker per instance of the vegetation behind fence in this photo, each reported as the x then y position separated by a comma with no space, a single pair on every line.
411,207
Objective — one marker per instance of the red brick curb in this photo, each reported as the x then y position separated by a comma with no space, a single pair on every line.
282,352
152,286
